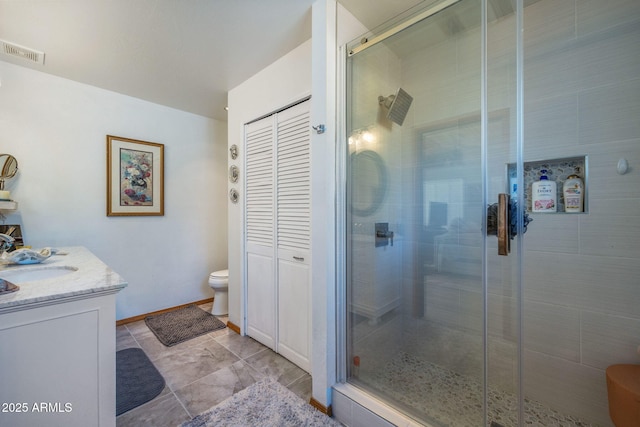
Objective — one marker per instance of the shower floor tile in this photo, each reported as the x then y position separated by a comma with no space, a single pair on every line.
447,398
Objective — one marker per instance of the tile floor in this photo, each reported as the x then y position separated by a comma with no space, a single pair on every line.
202,372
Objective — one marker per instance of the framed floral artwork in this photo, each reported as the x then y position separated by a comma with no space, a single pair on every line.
135,177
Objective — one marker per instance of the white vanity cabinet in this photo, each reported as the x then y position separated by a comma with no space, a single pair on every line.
57,351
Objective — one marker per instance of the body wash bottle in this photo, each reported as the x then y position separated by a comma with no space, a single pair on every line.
543,194
573,191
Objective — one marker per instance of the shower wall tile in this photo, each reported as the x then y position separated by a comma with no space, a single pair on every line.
438,97
471,312
501,64
502,317
497,178
552,329
611,228
500,35
442,305
468,52
602,284
551,123
503,364
596,15
609,113
553,233
604,181
622,210
608,339
550,73
467,94
548,23
608,56
377,277
434,104
536,154
502,271
601,236
500,85
438,62
568,387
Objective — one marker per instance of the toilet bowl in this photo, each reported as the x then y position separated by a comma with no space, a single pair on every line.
219,282
623,389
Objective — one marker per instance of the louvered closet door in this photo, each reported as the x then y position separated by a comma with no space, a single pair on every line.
260,231
293,234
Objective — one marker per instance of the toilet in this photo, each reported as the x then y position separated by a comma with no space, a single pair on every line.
219,282
623,388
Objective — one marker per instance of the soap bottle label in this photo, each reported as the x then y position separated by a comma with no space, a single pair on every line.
544,199
573,194
543,194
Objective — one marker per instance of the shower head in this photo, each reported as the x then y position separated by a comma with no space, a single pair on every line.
398,105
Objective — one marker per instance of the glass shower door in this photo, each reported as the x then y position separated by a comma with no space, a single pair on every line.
430,134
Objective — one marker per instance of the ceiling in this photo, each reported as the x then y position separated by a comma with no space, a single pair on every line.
183,54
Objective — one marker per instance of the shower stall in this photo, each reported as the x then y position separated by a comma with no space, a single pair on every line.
451,108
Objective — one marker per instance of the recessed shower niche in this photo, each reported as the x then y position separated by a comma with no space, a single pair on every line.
557,170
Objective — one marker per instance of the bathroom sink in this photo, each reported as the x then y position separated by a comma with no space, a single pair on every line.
33,274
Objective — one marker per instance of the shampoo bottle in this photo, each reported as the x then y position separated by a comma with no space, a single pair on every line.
543,194
573,191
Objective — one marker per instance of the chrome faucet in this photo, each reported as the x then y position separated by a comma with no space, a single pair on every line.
6,243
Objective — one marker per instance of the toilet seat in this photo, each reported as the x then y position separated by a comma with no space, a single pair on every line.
220,274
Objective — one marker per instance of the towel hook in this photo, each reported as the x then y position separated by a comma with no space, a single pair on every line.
319,129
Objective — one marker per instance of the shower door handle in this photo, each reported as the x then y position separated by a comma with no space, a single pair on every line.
503,224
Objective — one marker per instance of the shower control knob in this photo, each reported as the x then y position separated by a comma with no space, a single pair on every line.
385,235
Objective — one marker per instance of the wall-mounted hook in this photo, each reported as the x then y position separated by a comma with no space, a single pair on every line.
319,129
623,166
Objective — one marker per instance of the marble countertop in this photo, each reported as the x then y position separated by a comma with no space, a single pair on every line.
92,277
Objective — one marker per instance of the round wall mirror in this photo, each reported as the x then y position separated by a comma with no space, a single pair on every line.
8,168
370,177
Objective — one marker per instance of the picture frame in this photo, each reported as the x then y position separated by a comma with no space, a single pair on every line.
135,177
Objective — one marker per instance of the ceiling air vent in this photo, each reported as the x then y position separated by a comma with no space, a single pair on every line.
13,49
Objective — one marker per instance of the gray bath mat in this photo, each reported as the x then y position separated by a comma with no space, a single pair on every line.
137,380
264,403
183,324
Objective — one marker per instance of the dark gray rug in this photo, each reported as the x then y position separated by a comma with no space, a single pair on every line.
264,403
183,324
137,379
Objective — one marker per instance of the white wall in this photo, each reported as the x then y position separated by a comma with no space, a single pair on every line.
283,82
333,26
57,129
